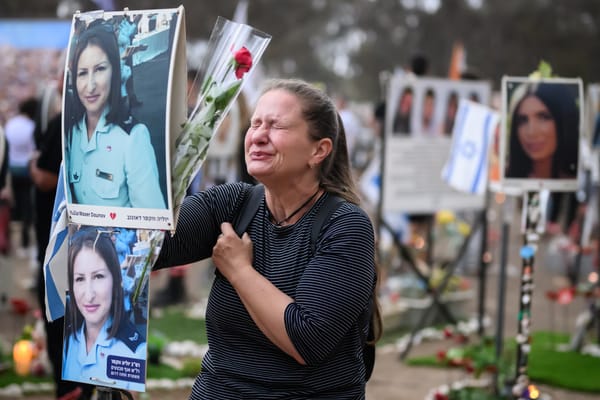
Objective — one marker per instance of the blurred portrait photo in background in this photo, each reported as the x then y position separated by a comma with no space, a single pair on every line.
542,132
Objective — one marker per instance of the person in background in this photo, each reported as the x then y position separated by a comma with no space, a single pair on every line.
419,64
283,321
19,131
245,111
352,125
6,200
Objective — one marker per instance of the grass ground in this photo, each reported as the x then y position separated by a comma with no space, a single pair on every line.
546,364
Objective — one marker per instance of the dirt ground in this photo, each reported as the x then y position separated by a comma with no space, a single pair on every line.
392,378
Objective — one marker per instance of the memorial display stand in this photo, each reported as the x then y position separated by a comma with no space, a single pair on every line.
533,222
435,294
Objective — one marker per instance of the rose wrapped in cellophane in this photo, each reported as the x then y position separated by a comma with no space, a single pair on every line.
233,51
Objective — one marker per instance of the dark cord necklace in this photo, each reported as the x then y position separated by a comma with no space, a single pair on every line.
296,211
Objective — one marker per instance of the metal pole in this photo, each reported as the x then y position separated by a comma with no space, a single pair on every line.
505,217
533,217
484,260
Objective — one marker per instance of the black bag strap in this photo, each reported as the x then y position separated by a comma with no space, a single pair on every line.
252,202
325,212
248,210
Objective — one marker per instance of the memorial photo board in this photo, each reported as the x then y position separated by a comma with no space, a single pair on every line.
417,147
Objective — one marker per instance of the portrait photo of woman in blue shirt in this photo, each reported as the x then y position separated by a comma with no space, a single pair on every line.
110,159
102,345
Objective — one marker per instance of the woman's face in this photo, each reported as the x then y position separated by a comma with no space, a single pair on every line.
277,142
92,287
536,129
94,73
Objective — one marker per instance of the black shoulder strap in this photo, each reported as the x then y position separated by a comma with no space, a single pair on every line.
252,202
248,210
325,212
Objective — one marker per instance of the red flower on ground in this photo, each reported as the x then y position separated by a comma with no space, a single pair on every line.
20,306
462,338
456,362
441,356
566,295
440,396
491,368
242,62
448,332
469,366
551,295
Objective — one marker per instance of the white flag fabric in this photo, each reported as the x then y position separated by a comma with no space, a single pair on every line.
55,259
467,167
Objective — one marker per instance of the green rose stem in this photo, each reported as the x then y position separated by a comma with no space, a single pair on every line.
192,144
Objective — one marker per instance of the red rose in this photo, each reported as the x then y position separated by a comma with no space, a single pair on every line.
469,367
243,62
491,368
19,306
441,356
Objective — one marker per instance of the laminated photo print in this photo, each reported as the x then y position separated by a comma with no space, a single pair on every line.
106,313
542,124
124,97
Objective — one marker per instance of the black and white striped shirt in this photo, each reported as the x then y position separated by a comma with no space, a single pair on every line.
327,323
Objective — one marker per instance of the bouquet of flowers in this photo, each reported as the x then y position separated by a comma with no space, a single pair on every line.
233,50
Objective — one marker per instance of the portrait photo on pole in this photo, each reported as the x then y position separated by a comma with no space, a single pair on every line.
542,124
106,317
593,116
119,79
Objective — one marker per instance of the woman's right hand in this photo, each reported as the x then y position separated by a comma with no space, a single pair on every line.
232,254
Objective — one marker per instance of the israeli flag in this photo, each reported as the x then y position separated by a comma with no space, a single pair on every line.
55,259
467,167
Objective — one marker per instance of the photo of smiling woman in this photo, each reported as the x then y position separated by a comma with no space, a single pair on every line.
102,345
110,160
544,129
